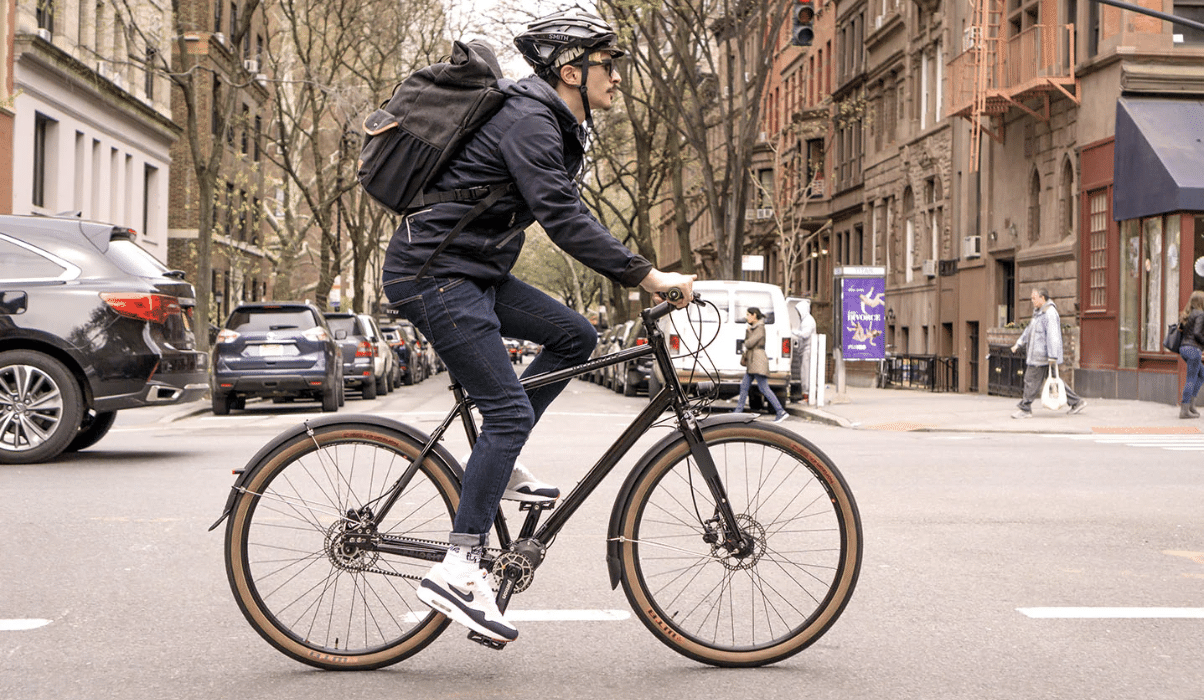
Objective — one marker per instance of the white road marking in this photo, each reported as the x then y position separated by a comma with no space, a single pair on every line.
1175,443
1113,613
22,625
551,615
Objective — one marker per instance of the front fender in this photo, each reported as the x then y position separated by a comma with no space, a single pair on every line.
665,443
295,431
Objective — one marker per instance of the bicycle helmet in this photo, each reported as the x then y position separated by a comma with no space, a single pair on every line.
563,37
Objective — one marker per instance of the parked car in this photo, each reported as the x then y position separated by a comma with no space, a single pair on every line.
724,330
361,367
613,341
415,369
389,376
90,324
631,377
401,352
276,350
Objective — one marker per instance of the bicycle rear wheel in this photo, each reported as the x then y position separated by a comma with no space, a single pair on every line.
756,607
291,554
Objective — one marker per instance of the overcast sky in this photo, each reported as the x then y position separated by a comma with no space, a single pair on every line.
498,21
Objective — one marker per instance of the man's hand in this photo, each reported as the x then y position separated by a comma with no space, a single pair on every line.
1015,347
657,281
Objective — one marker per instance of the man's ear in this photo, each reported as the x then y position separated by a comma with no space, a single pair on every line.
570,75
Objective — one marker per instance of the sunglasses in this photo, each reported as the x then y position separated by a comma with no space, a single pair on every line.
609,64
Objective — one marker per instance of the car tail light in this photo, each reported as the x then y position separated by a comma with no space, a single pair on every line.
226,335
364,349
785,347
317,334
674,343
641,341
156,308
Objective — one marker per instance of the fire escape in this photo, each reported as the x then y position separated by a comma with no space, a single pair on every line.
1015,56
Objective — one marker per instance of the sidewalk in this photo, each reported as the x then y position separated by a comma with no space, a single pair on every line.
908,409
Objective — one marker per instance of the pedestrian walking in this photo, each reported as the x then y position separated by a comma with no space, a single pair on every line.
756,364
1043,342
1191,323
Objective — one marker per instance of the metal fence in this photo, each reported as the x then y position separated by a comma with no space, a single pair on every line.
928,372
1005,372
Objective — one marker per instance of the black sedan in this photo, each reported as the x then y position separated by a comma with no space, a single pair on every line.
90,324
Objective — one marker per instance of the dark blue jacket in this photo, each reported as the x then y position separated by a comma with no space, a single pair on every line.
535,142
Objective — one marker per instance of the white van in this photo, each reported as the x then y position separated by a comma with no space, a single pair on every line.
687,328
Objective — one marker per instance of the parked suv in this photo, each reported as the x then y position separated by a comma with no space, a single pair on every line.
90,324
388,376
277,350
358,352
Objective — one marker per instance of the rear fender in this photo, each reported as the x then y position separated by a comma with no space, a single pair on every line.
439,453
665,443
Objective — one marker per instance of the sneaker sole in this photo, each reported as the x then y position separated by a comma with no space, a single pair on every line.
441,602
527,497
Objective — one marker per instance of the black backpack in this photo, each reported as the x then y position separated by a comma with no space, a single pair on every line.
410,139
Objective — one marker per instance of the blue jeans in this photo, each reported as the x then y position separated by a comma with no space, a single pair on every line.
1195,372
763,385
466,323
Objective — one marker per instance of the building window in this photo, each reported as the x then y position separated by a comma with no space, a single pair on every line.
149,87
217,15
1189,9
1152,261
1034,208
215,111
1097,277
258,137
43,134
45,15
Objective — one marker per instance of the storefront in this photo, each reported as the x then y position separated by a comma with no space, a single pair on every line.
1143,251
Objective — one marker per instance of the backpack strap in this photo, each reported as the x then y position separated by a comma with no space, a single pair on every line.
426,199
493,194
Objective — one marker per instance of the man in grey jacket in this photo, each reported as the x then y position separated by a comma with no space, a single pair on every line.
1043,340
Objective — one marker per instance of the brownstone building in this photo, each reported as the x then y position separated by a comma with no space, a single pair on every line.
7,20
241,263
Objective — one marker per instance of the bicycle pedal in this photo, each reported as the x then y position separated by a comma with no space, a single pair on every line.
486,641
537,505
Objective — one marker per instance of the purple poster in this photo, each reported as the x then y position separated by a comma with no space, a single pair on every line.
863,306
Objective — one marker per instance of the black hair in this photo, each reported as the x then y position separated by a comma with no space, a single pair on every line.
756,312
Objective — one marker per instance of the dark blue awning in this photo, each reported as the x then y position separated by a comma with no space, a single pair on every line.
1159,161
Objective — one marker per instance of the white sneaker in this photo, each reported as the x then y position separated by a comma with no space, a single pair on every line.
523,486
462,593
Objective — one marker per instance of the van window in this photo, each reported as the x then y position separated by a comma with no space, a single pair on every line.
762,300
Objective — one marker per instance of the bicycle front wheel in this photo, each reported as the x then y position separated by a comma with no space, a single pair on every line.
294,552
750,607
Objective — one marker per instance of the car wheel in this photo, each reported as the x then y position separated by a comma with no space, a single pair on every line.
221,404
629,387
238,403
92,428
41,407
330,400
408,377
369,388
342,395
382,386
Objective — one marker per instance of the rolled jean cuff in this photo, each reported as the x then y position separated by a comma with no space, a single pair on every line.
463,539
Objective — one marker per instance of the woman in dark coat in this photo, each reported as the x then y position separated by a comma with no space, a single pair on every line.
1192,323
756,364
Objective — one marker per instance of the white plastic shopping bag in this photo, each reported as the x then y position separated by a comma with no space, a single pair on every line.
1053,392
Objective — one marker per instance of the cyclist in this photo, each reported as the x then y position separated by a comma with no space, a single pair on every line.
469,300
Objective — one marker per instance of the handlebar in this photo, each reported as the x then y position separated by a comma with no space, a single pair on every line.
671,296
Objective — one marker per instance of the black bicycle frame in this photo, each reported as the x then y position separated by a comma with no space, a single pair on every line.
670,395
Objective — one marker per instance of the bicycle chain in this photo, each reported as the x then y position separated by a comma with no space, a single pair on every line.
414,577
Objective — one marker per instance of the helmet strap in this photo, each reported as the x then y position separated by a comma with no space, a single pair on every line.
589,117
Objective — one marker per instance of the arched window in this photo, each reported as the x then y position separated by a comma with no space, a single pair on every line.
1069,201
1034,208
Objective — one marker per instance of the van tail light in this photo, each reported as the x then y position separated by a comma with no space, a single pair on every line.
156,308
785,347
674,343
364,349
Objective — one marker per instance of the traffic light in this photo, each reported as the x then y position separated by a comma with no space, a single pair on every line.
802,33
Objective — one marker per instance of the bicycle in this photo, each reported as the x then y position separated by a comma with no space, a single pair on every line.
737,543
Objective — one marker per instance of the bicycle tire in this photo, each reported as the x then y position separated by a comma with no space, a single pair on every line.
297,586
712,606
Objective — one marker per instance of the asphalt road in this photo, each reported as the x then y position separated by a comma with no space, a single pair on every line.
977,548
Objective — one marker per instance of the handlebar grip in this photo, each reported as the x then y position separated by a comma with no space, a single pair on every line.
672,294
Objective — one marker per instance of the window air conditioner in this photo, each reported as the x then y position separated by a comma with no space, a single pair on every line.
44,34
930,268
251,66
972,247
